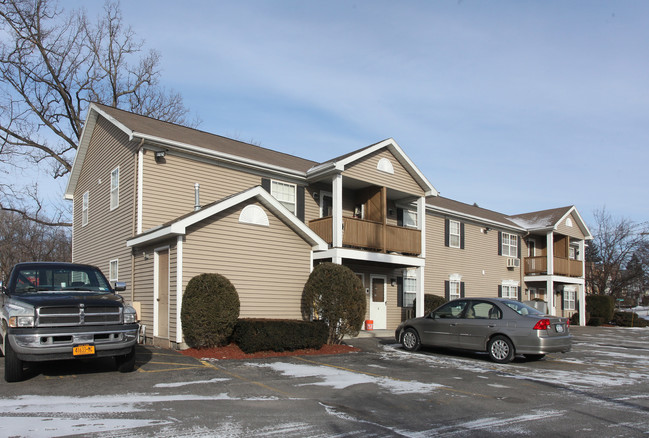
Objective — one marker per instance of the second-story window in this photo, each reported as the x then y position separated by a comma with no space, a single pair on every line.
410,218
114,189
84,209
509,245
454,234
285,194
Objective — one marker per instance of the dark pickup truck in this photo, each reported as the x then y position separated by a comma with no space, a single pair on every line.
57,311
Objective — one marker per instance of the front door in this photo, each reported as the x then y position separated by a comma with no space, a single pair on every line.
162,293
378,308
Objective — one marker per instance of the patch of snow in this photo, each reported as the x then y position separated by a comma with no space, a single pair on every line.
340,379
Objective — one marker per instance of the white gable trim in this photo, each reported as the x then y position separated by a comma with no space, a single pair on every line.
396,150
179,228
581,224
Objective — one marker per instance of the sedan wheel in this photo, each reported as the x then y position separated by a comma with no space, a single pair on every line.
501,349
410,340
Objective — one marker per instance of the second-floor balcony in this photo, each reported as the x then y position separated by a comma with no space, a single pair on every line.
370,235
562,266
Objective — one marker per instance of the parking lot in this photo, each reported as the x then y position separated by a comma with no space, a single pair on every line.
601,388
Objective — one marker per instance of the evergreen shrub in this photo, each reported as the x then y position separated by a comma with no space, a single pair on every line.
334,294
209,311
600,308
629,319
252,335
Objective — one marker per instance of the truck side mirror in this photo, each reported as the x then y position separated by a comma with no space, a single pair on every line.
120,286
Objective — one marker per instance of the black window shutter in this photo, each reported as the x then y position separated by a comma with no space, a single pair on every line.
563,300
500,291
265,184
300,203
462,289
500,243
461,235
400,291
400,217
447,290
519,247
446,227
520,294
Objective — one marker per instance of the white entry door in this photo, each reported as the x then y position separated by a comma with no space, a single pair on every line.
378,308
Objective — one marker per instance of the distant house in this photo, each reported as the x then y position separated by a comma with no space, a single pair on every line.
156,204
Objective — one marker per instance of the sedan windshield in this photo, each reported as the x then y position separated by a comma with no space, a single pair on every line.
56,279
522,309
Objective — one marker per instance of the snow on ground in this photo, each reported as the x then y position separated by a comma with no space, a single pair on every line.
340,379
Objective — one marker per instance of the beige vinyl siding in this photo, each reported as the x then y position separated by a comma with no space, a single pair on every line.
573,231
479,264
104,237
311,206
267,265
365,170
168,188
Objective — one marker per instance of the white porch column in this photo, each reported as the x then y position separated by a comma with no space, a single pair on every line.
421,221
419,311
549,288
550,251
581,293
337,211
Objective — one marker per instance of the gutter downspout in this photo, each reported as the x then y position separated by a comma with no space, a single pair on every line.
134,216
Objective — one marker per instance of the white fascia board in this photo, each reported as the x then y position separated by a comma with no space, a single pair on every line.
180,227
554,278
323,170
582,224
376,257
86,134
474,218
220,155
401,156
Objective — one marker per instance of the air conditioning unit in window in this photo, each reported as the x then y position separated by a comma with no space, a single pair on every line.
513,263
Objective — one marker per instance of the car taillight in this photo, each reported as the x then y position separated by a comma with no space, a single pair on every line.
543,324
568,322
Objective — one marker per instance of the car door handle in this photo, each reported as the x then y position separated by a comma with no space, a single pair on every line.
492,325
452,325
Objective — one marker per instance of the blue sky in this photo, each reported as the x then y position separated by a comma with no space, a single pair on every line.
515,105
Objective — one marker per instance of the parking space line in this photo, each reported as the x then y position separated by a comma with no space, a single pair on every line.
254,382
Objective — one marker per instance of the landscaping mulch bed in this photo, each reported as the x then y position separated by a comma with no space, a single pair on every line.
233,351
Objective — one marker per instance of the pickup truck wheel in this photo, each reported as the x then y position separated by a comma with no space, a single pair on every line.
126,363
13,365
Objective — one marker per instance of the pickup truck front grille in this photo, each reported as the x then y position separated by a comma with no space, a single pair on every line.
77,315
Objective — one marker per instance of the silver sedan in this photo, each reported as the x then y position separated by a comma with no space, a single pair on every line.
501,327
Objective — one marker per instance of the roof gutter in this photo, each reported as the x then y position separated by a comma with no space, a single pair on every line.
475,218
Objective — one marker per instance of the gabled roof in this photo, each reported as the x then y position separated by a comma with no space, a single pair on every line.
546,220
338,164
165,134
472,212
178,226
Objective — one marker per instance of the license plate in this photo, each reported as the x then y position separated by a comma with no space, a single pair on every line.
83,350
559,328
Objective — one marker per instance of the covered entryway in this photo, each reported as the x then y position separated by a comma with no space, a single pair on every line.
378,307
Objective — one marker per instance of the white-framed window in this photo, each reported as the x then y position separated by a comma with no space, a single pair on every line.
409,288
285,193
112,271
84,209
569,299
409,218
510,291
454,289
510,245
454,234
114,189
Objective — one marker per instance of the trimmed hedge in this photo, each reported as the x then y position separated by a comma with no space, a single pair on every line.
252,335
431,302
600,308
629,319
209,311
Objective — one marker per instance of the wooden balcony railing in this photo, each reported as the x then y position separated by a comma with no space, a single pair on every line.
370,235
562,266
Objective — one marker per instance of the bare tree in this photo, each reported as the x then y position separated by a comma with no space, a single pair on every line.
616,255
52,66
22,240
